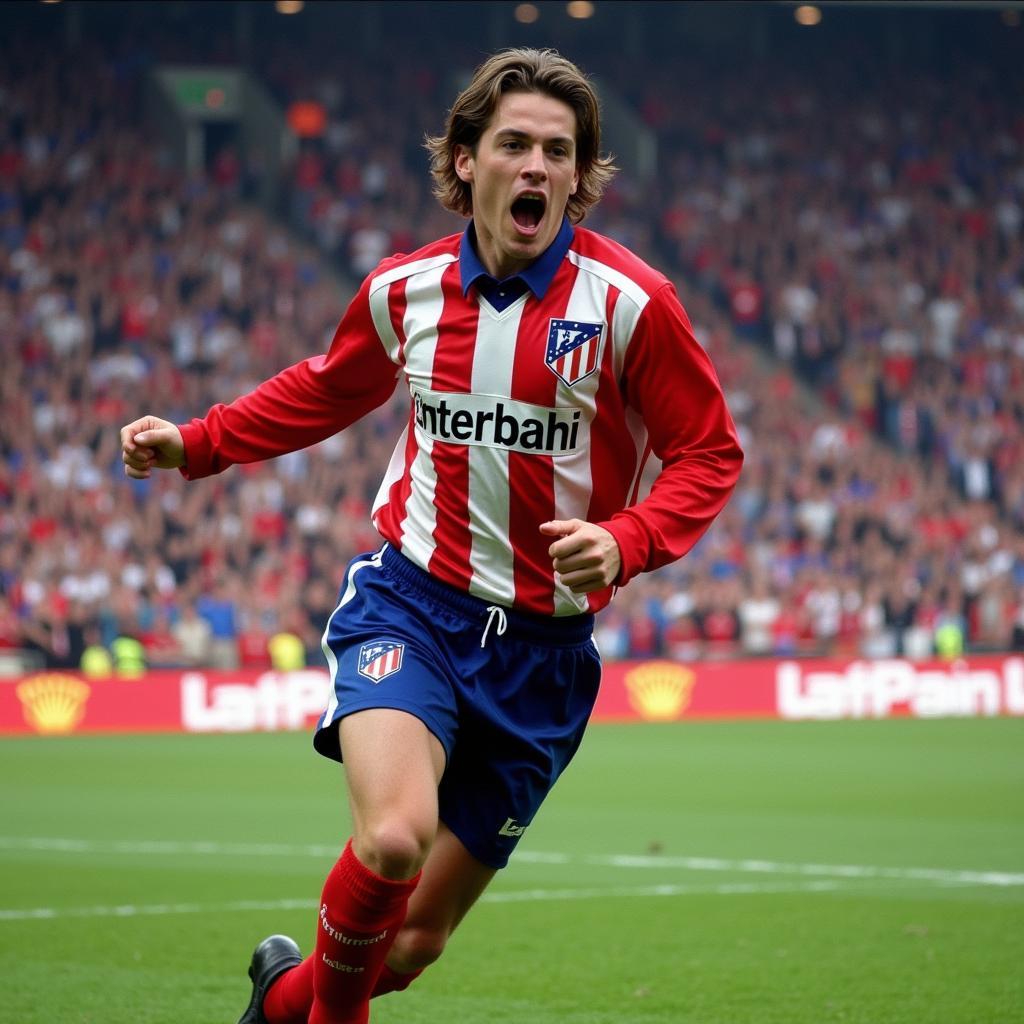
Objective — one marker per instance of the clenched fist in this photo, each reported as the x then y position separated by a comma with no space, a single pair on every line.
150,443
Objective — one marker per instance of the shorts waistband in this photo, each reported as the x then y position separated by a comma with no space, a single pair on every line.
560,631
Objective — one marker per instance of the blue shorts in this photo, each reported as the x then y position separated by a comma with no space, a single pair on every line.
510,714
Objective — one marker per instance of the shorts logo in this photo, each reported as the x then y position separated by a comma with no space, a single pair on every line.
380,659
574,349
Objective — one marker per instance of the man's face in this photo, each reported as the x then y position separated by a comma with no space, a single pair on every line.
522,174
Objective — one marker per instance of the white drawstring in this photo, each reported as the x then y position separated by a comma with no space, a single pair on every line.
496,612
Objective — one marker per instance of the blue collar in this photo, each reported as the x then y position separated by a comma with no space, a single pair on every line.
537,277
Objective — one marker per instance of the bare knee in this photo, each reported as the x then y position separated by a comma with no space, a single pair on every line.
393,848
416,948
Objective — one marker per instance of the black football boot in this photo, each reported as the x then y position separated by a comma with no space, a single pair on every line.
271,958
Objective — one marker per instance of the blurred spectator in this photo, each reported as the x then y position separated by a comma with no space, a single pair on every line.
287,653
857,279
220,610
159,644
758,613
684,640
194,637
96,660
129,656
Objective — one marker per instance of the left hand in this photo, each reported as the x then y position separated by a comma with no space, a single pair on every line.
586,556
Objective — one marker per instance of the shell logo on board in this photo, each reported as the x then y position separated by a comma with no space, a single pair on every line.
659,691
53,704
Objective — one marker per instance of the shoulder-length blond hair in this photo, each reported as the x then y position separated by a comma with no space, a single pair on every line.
521,70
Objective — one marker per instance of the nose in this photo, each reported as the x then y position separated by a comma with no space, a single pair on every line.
535,166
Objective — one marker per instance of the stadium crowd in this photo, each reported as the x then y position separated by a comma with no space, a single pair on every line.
854,266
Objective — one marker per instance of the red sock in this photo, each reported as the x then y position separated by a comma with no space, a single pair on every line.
389,981
291,995
360,914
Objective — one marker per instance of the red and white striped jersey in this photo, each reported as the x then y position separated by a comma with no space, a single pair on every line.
546,410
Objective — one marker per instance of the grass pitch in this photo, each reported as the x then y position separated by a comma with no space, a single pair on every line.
698,873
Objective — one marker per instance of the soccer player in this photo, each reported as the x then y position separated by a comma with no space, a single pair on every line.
544,364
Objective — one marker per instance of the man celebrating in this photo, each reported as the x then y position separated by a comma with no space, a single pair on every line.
544,364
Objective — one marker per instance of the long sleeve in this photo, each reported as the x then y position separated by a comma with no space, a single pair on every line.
670,382
299,406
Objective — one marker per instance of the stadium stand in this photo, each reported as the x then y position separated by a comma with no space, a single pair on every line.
854,264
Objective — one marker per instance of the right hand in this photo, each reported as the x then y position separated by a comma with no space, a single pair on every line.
151,442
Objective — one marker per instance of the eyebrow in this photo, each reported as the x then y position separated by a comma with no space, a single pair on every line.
517,133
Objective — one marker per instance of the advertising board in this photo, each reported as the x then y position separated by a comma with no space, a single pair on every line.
63,703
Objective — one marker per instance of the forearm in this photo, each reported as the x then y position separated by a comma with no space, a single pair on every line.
296,408
671,382
684,501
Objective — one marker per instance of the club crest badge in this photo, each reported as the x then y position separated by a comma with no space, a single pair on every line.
380,659
574,349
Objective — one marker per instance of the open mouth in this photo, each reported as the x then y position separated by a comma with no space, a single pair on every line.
527,213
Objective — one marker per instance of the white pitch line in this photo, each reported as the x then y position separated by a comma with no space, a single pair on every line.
940,875
168,847
151,909
160,847
509,896
725,889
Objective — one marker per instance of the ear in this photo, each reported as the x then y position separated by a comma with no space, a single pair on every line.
464,163
575,181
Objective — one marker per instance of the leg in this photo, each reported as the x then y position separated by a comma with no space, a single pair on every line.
452,882
393,764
